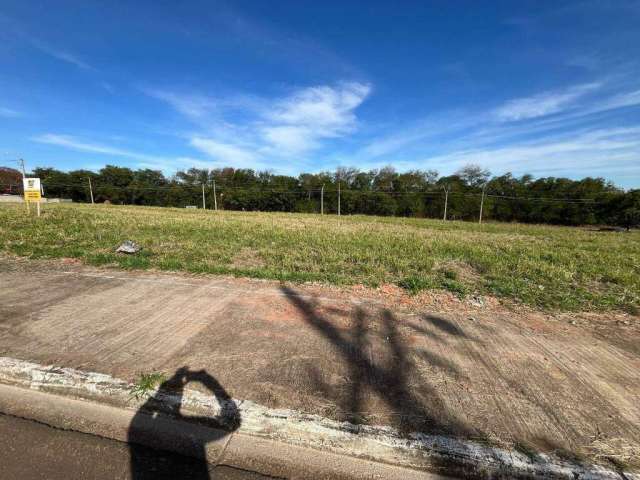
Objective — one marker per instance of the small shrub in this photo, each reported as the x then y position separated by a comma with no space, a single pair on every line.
450,274
455,287
146,383
607,278
414,284
527,449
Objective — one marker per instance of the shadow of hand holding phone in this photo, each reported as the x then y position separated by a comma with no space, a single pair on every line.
159,428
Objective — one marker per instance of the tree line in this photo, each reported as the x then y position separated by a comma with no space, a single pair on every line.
416,193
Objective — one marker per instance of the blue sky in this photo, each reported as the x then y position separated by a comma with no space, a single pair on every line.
547,88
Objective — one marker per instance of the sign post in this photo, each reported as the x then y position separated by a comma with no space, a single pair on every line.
32,192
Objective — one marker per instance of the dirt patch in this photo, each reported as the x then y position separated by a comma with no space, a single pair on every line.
71,261
397,298
458,270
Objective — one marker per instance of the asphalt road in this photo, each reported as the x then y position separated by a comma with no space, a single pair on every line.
31,450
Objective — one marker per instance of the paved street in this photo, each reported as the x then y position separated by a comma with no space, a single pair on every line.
31,450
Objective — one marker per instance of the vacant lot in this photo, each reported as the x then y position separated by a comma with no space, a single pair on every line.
542,266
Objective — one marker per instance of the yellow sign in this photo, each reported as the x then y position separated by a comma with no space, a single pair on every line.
32,195
32,189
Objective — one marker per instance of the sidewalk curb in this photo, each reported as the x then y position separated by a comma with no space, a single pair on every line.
278,441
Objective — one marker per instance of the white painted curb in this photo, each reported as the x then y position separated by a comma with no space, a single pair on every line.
377,443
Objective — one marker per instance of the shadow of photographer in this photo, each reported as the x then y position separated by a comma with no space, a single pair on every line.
159,427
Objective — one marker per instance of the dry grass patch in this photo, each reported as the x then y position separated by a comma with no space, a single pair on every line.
248,259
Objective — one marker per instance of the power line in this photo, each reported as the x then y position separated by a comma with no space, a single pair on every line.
261,189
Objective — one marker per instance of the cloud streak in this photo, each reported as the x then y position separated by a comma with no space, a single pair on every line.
167,164
543,104
192,106
74,143
603,150
224,152
61,55
9,113
578,131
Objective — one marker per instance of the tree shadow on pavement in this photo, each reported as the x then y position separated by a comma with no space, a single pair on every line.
385,378
415,408
159,426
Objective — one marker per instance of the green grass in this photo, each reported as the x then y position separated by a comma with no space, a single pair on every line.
543,266
146,383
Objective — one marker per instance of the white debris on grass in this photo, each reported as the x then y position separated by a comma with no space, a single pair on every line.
129,247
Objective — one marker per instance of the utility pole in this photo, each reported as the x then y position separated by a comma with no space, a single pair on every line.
322,200
204,205
24,175
482,202
446,198
215,200
338,197
90,190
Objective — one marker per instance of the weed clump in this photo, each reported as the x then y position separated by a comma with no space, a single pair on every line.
147,382
454,287
415,284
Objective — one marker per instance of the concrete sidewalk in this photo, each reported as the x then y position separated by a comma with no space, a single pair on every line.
525,381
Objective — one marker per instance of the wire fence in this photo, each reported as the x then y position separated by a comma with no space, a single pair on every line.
221,189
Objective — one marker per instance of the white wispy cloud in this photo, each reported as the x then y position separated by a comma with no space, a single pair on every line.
627,99
218,154
290,139
545,103
225,153
16,29
459,128
192,106
9,113
61,54
107,86
298,123
250,131
579,139
420,132
330,108
74,143
604,150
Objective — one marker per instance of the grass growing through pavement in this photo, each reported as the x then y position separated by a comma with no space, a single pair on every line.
542,266
146,383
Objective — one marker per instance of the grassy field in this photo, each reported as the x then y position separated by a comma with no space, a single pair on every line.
546,267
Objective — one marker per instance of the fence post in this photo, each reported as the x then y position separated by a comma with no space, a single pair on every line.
446,198
482,203
24,175
322,200
90,190
215,200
